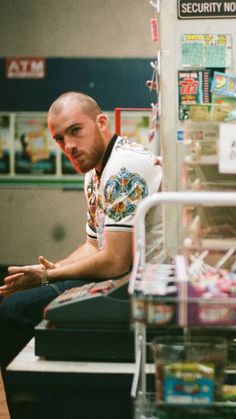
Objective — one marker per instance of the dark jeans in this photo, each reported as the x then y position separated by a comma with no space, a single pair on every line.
20,313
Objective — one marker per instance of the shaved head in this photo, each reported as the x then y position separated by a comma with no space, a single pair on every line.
87,104
81,130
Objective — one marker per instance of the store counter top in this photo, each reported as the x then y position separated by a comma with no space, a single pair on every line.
46,389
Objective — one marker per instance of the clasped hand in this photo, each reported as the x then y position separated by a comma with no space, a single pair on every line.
24,277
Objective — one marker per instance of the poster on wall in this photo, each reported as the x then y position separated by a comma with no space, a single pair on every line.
141,124
206,50
34,152
5,144
28,153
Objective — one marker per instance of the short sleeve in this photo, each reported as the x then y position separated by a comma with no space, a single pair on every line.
122,193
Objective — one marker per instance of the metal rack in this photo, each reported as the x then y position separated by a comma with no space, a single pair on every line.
193,198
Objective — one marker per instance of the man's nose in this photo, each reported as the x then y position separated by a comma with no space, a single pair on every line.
69,143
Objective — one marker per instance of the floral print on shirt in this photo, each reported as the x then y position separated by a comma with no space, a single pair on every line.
123,192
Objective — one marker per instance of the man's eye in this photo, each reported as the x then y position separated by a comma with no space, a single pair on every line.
75,130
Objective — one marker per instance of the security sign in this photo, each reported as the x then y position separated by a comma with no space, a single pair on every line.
205,9
25,68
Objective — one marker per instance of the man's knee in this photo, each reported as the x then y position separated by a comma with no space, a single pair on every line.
7,307
10,310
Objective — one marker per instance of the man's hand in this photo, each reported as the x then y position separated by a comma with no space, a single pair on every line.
24,277
46,263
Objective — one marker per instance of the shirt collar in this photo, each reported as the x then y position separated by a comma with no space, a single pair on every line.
108,151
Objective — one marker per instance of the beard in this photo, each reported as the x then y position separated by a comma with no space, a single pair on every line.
91,157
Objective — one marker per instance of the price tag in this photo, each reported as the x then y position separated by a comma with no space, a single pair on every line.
227,148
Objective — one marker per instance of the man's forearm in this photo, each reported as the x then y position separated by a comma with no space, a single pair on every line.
95,267
82,252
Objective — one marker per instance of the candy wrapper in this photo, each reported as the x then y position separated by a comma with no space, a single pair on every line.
207,296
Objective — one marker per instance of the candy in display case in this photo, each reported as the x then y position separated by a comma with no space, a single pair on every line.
206,288
196,177
207,226
154,299
189,370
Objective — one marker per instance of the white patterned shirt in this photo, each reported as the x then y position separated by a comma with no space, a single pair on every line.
130,173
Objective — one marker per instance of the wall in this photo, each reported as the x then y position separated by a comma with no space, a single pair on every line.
75,28
113,82
40,222
49,221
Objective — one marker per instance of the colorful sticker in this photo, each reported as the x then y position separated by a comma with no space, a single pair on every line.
206,50
224,84
193,89
189,382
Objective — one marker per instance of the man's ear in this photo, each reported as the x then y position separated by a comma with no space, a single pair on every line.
102,121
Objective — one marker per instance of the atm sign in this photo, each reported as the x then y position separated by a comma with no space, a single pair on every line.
25,68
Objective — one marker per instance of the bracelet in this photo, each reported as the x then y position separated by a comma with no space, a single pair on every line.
45,280
112,283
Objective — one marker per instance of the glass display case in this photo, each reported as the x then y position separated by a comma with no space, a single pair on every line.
188,296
